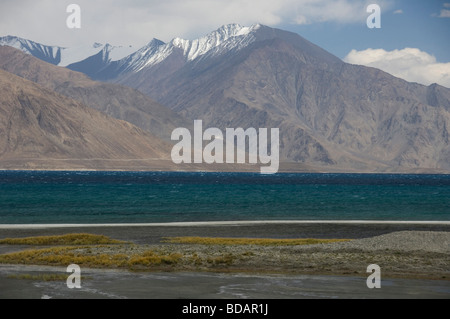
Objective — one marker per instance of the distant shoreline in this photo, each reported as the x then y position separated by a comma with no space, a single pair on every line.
248,171
225,223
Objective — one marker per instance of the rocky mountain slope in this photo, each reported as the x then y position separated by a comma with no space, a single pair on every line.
115,100
41,129
330,113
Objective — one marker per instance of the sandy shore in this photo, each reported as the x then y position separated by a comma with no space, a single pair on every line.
152,233
404,251
228,223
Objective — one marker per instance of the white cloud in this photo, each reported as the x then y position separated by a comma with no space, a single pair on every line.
400,11
410,64
341,11
447,5
444,13
138,21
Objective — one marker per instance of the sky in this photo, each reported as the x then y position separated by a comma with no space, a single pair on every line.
413,41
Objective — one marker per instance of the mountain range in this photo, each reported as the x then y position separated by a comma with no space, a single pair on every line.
332,116
115,100
63,56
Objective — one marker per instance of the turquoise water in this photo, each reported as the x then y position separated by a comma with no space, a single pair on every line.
28,197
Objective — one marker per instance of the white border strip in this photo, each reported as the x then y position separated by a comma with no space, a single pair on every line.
224,223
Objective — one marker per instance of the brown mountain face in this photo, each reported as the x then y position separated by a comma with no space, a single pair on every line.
331,115
40,129
115,100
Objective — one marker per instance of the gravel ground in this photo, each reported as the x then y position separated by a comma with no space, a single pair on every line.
404,241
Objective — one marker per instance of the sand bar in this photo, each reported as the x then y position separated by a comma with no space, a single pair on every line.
152,233
224,223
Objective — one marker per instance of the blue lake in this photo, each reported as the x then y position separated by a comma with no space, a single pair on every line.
28,197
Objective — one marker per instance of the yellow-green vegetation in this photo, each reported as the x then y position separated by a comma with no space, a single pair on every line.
42,277
97,251
68,239
249,241
218,254
85,256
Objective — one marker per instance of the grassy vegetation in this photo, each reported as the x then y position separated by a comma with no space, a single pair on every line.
96,251
69,239
85,256
216,254
248,241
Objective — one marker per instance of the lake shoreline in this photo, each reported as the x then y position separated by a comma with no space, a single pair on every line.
408,253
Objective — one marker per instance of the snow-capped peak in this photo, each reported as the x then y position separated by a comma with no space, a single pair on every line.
231,37
47,53
226,38
65,56
198,47
141,57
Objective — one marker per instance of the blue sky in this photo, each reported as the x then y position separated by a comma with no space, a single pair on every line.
417,26
413,42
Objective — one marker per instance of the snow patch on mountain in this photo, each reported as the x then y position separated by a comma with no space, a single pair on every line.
79,53
195,48
47,53
126,59
147,54
226,38
65,56
110,53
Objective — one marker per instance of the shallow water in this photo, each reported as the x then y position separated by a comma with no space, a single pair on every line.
122,285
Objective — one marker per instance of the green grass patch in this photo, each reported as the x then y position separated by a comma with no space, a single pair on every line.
68,239
249,241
